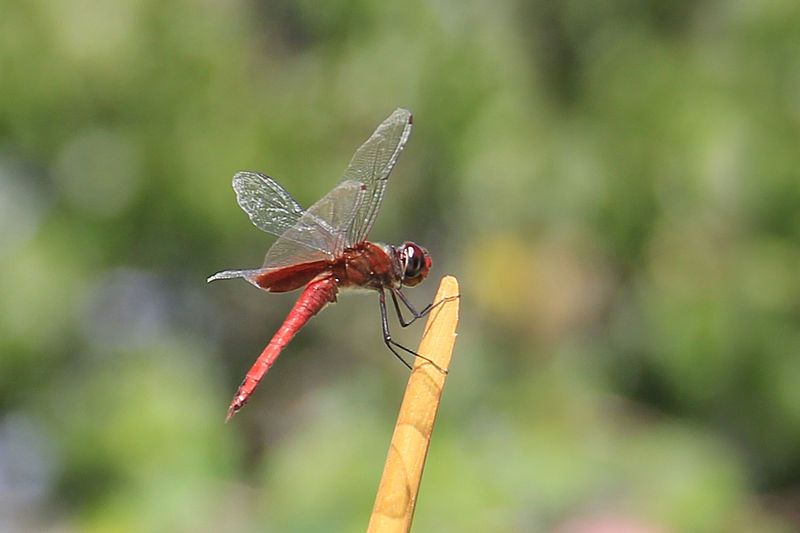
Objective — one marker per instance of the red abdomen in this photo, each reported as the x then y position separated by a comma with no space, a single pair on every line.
318,293
292,277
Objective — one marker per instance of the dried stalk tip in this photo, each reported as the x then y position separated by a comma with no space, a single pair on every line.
402,473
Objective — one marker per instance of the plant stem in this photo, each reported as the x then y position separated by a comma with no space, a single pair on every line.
402,473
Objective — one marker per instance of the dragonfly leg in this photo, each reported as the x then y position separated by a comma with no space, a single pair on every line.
391,344
415,314
397,293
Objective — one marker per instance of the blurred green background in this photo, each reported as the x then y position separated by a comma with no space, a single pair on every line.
615,185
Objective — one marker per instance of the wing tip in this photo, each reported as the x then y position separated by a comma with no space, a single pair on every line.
247,175
228,274
215,277
404,111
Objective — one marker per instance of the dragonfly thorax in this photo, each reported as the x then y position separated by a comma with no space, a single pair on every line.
381,266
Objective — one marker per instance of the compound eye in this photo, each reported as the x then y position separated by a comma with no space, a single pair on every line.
414,262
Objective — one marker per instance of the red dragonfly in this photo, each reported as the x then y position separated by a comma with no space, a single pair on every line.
325,249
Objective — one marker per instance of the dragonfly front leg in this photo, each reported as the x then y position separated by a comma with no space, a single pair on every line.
416,314
387,337
397,293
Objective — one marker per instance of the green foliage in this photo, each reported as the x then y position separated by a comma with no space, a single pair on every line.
615,185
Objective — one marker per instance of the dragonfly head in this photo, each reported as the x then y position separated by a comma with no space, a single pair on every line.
416,263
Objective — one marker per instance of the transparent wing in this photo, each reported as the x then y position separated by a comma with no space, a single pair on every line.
369,170
273,210
342,218
286,252
334,210
302,236
338,209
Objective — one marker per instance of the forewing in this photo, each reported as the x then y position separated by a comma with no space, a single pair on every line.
370,168
273,210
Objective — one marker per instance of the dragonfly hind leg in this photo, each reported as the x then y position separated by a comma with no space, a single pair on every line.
387,337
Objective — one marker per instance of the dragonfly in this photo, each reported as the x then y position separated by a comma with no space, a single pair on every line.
325,249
